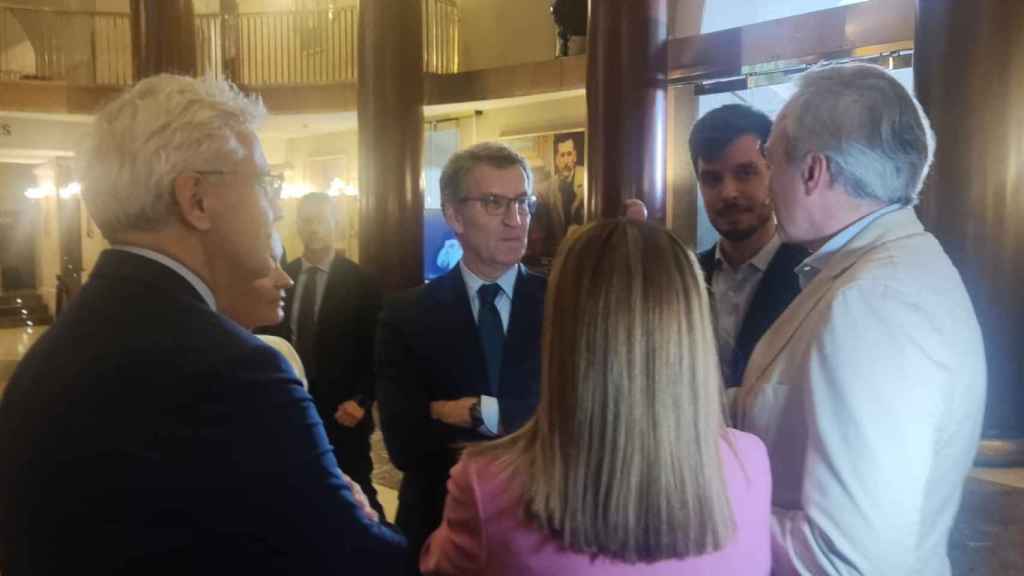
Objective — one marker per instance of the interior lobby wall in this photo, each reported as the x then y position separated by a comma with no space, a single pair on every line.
17,228
548,116
502,32
51,135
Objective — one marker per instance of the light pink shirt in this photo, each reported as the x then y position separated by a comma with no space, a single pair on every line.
484,531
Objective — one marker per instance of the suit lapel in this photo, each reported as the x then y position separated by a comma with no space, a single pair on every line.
455,312
335,293
706,259
521,324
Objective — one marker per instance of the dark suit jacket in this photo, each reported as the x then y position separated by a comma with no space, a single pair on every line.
346,328
428,348
146,434
778,287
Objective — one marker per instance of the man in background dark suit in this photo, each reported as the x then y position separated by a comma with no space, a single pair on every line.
331,320
145,433
750,273
459,358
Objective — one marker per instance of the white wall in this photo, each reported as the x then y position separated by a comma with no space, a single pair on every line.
539,117
505,32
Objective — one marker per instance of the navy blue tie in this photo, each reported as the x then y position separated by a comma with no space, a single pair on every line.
492,334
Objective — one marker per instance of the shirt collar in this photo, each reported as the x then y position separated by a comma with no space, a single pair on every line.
306,264
761,260
507,280
178,267
816,262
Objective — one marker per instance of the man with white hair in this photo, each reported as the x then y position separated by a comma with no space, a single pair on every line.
869,389
145,433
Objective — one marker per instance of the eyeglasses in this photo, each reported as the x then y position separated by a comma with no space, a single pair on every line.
269,184
495,205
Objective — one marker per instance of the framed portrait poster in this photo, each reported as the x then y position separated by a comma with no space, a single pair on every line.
558,162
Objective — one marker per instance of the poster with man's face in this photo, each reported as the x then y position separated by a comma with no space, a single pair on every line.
569,155
559,182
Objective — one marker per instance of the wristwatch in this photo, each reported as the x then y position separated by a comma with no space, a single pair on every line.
475,417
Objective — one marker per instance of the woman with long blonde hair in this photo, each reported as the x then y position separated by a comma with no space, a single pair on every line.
627,467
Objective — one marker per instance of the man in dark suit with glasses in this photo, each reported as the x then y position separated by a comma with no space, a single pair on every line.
458,360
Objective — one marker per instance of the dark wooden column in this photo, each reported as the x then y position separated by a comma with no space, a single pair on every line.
391,141
163,37
626,66
969,75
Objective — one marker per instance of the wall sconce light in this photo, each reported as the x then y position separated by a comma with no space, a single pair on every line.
71,190
339,187
49,191
295,190
40,192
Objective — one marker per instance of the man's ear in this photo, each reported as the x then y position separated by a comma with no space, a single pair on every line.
454,219
191,202
815,173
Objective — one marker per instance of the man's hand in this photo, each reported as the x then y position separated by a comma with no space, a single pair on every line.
454,412
349,414
361,500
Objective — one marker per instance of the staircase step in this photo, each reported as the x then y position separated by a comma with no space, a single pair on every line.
7,310
12,322
20,297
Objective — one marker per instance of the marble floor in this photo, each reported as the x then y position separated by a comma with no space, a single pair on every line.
14,342
386,478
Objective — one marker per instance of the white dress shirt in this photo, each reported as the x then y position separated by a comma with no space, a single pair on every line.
178,267
809,268
300,284
732,289
489,409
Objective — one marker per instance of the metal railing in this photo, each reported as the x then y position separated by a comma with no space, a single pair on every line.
290,48
441,38
255,49
81,47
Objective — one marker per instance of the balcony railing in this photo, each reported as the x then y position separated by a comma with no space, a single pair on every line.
79,47
289,48
255,49
441,38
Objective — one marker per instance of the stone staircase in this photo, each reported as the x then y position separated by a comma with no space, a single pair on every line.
23,308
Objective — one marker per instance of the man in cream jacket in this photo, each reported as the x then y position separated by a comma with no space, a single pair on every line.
869,390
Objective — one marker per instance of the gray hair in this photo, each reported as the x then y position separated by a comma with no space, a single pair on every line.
143,140
494,154
877,139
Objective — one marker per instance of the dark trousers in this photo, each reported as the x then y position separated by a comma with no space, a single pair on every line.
421,509
352,450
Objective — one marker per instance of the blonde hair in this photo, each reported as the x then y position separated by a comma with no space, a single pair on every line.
622,457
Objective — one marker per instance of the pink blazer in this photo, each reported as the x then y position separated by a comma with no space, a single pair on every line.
484,531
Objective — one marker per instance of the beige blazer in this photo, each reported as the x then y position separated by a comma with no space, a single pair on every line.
869,393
